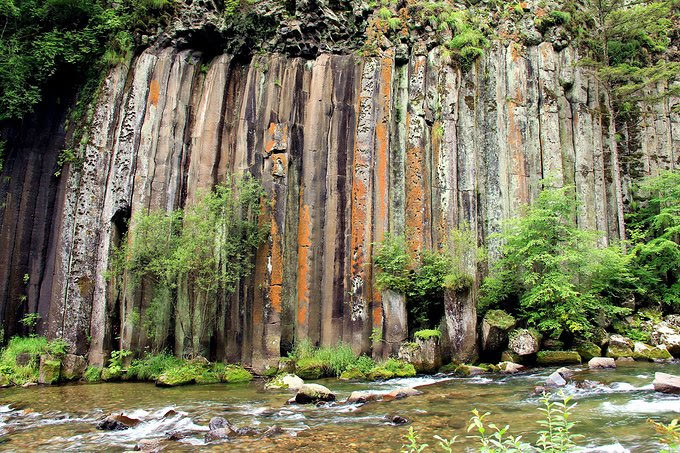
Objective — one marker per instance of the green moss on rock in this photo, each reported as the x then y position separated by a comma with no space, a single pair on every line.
179,375
449,368
509,356
616,351
548,358
380,374
49,370
310,368
235,374
587,350
500,319
353,374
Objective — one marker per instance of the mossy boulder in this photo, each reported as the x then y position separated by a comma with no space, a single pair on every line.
619,346
644,352
208,377
468,370
380,374
235,374
284,381
449,368
490,367
509,356
310,368
587,350
353,374
425,354
50,369
549,358
494,330
551,344
312,393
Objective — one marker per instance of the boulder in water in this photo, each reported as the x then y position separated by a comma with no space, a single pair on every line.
401,393
117,422
217,434
601,362
555,380
642,351
353,374
666,383
396,419
73,367
313,393
468,370
362,397
284,381
424,354
511,367
566,373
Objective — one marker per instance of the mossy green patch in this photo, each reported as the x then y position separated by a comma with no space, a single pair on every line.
180,375
548,358
587,350
235,374
353,374
380,374
449,367
615,351
500,319
310,368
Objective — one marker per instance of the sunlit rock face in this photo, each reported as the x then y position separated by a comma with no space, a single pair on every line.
348,149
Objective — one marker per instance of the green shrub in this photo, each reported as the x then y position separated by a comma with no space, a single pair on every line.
393,263
399,368
152,366
187,373
364,364
336,358
500,319
427,334
29,350
552,274
93,374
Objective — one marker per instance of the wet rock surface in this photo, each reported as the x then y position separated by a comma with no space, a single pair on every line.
313,393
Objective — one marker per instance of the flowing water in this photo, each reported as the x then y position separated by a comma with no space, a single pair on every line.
612,415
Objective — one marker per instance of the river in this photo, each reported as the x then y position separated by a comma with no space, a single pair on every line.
612,415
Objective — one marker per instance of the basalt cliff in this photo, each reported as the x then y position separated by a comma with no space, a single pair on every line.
347,147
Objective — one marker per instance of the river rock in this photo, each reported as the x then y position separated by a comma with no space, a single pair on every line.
468,370
272,431
217,434
396,419
312,393
117,422
424,354
353,374
494,332
619,346
625,360
50,369
548,358
666,383
555,380
511,367
149,446
362,397
401,393
286,381
566,373
601,362
524,342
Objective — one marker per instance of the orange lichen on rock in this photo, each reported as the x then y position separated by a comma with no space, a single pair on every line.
154,92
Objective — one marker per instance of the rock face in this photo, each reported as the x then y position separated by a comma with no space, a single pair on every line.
347,149
424,355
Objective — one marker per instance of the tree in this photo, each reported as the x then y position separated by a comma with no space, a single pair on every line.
655,232
552,274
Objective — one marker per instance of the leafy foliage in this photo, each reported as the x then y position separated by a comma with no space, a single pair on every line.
552,274
44,38
670,434
654,228
20,360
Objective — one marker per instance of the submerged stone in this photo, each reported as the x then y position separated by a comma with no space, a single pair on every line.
312,393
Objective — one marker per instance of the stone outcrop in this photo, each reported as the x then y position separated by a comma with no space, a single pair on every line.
347,149
424,354
524,342
494,331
